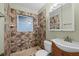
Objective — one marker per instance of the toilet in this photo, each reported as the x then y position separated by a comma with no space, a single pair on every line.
47,47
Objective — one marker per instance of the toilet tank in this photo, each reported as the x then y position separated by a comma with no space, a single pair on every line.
47,45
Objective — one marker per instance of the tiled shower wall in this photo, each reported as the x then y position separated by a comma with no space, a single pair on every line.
42,27
17,41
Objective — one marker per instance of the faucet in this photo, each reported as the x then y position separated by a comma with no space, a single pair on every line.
68,39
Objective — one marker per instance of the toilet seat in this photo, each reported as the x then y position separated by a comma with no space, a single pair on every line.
41,53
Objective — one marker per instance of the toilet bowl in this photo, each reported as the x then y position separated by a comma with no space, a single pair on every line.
46,51
42,53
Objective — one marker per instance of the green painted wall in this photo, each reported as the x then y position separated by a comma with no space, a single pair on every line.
1,29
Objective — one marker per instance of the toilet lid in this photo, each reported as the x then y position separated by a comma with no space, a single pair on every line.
41,53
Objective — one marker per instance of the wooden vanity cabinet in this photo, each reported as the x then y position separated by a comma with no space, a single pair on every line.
58,52
70,53
55,50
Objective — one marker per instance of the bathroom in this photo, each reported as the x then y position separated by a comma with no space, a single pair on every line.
20,39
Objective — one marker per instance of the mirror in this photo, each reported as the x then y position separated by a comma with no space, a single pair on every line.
62,18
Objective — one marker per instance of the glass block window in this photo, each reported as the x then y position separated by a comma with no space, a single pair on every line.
24,23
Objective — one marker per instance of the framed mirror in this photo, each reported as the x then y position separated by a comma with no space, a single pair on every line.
62,19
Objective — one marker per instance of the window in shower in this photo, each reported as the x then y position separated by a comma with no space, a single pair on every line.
24,23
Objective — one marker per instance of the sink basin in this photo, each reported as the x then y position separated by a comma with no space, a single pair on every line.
67,46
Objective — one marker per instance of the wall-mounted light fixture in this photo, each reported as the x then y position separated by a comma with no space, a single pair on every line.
56,6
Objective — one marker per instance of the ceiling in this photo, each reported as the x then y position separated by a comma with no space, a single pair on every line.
32,6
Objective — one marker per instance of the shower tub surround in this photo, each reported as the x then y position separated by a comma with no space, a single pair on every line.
18,41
